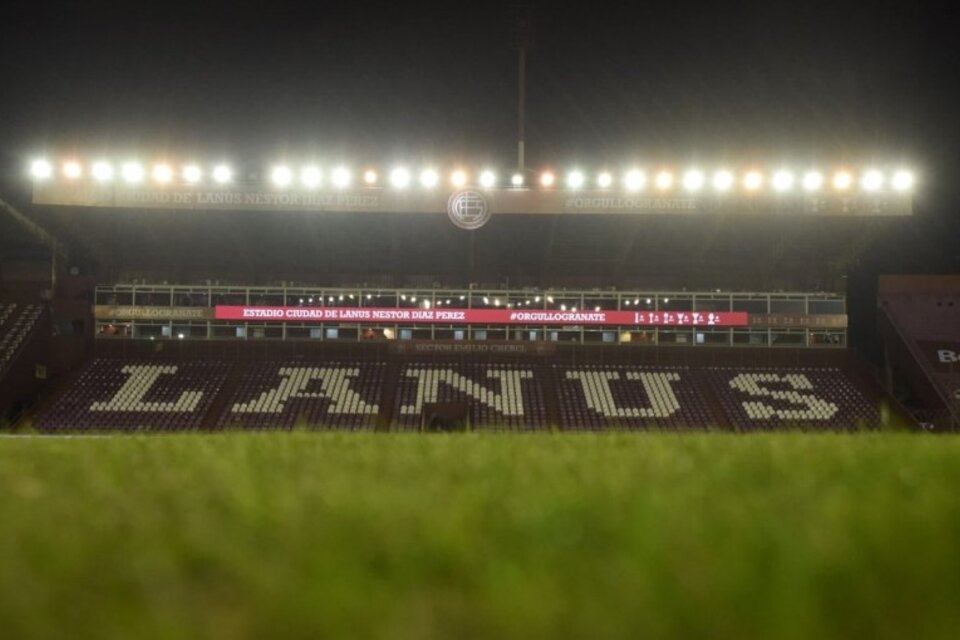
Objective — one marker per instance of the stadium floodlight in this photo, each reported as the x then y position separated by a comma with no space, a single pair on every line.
193,174
370,177
516,179
635,179
812,180
693,180
547,179
902,180
340,177
132,172
102,171
664,180
281,176
604,180
458,178
753,180
72,169
487,178
400,178
782,180
872,180
311,177
429,178
162,173
842,180
41,169
575,179
222,174
723,180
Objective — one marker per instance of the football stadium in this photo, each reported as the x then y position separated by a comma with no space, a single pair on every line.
421,393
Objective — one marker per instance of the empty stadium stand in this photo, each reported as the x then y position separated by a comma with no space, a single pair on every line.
278,395
603,396
379,391
502,396
919,318
16,324
134,395
754,399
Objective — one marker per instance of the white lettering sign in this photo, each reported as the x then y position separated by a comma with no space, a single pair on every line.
130,396
656,386
334,386
808,406
509,401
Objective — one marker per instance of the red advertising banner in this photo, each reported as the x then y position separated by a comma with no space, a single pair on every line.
483,316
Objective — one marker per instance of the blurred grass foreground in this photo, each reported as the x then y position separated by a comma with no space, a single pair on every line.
468,536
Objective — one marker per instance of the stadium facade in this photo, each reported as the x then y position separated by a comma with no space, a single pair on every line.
198,298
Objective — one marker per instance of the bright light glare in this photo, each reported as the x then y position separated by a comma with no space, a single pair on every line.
162,173
72,169
872,180
458,178
281,176
782,180
340,177
41,169
547,179
664,180
370,176
429,178
693,180
635,179
604,180
722,180
311,177
575,179
516,179
902,180
753,180
132,172
842,180
400,178
812,180
192,173
101,171
222,174
487,178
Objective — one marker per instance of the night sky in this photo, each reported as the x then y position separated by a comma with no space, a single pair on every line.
361,81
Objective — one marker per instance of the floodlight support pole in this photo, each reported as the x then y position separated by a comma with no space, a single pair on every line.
521,104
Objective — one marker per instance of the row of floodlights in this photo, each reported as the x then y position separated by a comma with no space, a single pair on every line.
311,177
496,302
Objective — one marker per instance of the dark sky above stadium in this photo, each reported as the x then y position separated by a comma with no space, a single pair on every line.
605,79
768,81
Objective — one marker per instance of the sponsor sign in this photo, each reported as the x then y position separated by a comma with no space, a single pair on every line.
114,312
944,356
482,316
799,321
454,347
465,207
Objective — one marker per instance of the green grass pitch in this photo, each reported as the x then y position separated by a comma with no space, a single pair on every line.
480,536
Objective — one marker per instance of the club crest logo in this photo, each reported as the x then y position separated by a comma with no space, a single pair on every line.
468,209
